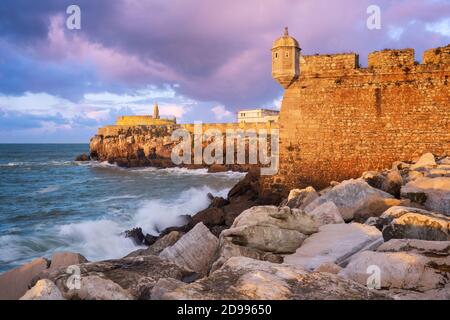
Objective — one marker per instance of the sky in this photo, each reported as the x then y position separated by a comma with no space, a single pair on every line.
201,60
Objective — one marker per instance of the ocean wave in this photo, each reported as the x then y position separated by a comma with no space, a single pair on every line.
155,215
98,239
112,198
48,189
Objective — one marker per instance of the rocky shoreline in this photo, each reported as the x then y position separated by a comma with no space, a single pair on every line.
385,235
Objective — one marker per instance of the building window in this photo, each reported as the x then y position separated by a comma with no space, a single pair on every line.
286,54
276,55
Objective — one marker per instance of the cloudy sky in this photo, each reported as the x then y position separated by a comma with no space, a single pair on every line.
200,59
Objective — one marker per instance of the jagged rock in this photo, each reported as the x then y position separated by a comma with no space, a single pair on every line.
155,249
433,193
65,259
300,198
195,250
136,275
97,288
427,160
217,202
43,290
139,238
329,267
247,279
355,198
334,243
413,223
15,283
83,157
424,247
402,270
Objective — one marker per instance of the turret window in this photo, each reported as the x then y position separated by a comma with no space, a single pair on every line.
276,54
286,54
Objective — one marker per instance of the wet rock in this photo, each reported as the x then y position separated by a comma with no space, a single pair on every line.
195,250
247,279
413,223
334,243
15,283
43,290
139,238
83,157
355,197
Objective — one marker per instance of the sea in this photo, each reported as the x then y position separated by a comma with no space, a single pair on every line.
49,202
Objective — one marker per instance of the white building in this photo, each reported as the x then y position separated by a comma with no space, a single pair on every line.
258,115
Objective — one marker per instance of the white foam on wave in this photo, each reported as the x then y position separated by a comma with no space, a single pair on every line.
155,215
97,240
48,189
103,239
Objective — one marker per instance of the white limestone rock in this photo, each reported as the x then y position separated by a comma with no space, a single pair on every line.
433,193
355,198
334,243
195,250
401,270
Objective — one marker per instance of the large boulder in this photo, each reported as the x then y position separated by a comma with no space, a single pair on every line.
413,223
417,268
195,250
279,230
356,198
135,275
433,193
334,243
14,283
43,290
247,279
65,259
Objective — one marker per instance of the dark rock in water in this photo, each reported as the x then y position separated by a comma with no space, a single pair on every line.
218,202
159,245
139,238
136,235
83,157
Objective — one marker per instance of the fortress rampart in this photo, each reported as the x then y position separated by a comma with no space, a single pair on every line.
338,120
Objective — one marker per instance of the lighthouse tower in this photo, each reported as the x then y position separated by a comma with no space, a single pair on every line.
285,60
155,111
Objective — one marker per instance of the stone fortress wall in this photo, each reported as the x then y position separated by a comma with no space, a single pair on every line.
338,120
